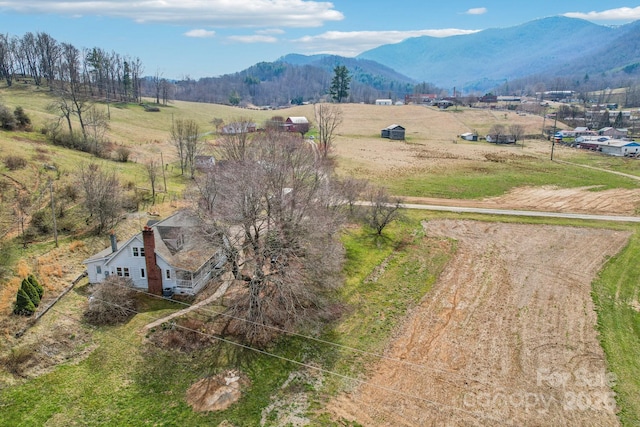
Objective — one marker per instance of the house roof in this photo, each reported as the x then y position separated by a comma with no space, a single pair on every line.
620,143
177,241
393,126
297,120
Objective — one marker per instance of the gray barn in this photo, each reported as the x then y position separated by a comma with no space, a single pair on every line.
393,132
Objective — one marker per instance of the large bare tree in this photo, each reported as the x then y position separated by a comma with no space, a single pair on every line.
275,207
102,195
328,118
184,136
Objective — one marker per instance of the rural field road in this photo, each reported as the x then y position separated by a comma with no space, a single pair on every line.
514,212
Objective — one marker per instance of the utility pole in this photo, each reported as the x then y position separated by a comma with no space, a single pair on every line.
553,138
164,178
53,213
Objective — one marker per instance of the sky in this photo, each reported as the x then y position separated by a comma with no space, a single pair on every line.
206,38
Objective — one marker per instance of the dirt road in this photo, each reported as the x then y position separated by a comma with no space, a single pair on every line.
506,336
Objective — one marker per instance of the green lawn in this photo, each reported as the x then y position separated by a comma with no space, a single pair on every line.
486,179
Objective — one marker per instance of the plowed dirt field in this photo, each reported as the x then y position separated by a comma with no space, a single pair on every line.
505,337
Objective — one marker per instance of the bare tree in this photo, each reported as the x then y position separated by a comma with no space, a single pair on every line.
497,131
235,139
97,124
184,136
193,146
102,195
381,210
267,205
111,302
151,167
328,118
517,131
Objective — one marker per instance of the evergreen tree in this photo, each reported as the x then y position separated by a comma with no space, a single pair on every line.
619,122
31,292
36,285
24,306
339,89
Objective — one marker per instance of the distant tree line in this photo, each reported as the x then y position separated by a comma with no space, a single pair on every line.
42,60
279,83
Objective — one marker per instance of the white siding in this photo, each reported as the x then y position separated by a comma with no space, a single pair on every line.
125,259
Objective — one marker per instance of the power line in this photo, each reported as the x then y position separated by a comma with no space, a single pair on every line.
136,345
433,403
320,340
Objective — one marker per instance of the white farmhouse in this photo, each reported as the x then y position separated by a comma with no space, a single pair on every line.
168,255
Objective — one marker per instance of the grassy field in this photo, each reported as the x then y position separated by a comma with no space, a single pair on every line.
616,294
126,381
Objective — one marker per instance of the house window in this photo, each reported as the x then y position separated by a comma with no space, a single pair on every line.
142,273
122,272
168,274
98,269
135,251
142,251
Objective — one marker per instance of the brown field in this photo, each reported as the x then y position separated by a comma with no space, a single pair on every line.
431,136
505,337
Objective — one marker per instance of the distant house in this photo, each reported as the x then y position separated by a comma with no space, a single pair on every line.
239,127
443,103
205,163
420,98
384,102
501,138
620,148
469,136
612,132
488,98
297,124
168,255
393,132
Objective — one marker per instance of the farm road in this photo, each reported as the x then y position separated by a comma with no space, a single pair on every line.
516,212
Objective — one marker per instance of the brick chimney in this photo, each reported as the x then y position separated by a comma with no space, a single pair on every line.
114,242
154,274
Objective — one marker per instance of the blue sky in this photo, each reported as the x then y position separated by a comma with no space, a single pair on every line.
200,38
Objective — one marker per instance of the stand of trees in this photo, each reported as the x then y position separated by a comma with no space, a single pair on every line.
274,203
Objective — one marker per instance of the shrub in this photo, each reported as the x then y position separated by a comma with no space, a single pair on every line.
7,119
15,162
31,292
40,221
111,302
24,122
123,154
24,306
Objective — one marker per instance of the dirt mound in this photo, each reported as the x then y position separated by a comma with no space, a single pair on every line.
506,336
217,393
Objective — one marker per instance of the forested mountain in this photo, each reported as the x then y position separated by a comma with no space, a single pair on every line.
296,79
546,48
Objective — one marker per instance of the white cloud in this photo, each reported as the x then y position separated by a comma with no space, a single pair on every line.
219,13
355,42
476,11
255,38
270,31
620,14
200,34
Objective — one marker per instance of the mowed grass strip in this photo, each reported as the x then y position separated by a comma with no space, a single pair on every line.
616,292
